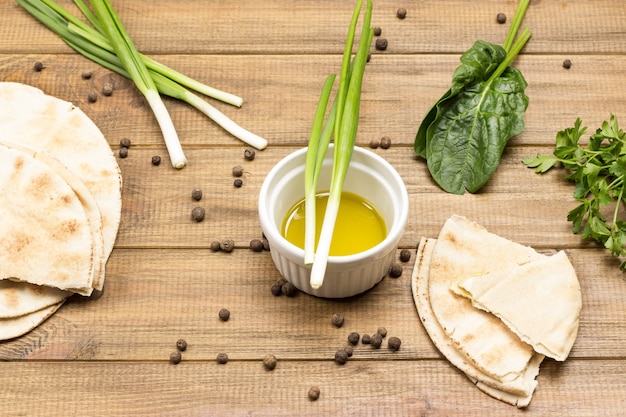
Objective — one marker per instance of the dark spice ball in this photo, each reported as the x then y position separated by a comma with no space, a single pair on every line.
196,194
376,341
401,13
256,245
353,338
224,314
341,357
92,97
123,152
314,393
567,64
394,343
405,255
349,350
366,339
237,171
125,142
227,245
198,214
385,142
501,18
381,44
38,66
215,246
175,357
107,89
289,289
249,154
337,320
221,358
269,362
377,31
374,143
181,344
266,244
156,160
238,183
382,331
395,271
277,289
86,75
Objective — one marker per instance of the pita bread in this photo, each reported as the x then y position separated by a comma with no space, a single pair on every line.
516,392
47,238
18,326
21,298
465,248
540,301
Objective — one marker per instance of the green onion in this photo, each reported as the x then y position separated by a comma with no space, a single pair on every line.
344,119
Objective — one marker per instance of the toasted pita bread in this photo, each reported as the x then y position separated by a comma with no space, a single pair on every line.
21,298
540,301
465,248
47,238
516,392
17,326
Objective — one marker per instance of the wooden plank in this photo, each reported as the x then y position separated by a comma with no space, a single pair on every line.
241,388
271,27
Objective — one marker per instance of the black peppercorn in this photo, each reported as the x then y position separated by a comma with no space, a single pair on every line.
377,31
227,245
401,13
175,357
249,154
382,331
256,245
381,44
125,142
224,314
405,255
567,64
395,271
394,343
107,89
269,362
289,289
92,97
123,152
196,194
366,339
337,320
198,214
237,171
156,160
341,357
181,345
353,338
38,66
314,393
376,341
385,142
501,18
238,183
221,358
215,246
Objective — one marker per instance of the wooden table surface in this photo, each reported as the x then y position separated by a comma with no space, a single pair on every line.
110,356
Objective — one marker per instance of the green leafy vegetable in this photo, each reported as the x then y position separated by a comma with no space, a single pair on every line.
463,135
599,172
342,122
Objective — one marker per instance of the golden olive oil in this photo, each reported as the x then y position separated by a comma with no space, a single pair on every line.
359,225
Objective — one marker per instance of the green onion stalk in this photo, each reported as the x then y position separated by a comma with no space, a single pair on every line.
342,122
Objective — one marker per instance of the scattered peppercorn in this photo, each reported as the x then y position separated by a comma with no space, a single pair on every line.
349,350
222,358
376,341
341,357
92,97
38,66
215,246
256,245
86,75
395,270
374,143
196,194
381,44
175,357
382,331
405,255
156,160
249,154
501,18
377,31
337,320
238,183
227,245
394,343
353,338
123,152
314,393
289,289
198,214
237,171
125,142
366,339
269,362
277,290
385,142
567,64
401,13
266,244
224,314
181,345
107,89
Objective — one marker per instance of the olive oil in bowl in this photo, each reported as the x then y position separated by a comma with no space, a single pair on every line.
359,225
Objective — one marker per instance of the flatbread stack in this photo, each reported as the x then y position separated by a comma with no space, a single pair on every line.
494,308
60,205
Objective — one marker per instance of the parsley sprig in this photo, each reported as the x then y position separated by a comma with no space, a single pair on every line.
599,172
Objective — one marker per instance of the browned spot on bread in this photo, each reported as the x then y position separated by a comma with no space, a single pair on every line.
11,298
66,229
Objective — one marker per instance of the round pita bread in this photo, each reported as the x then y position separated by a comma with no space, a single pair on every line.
18,326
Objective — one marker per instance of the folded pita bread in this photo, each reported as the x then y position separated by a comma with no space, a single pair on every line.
517,391
540,301
47,238
464,249
20,298
17,326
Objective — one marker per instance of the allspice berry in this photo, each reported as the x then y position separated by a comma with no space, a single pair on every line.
237,171
341,357
181,344
395,270
256,245
381,44
314,393
227,245
269,362
501,18
224,314
394,343
222,358
249,154
405,255
196,194
385,142
175,357
376,341
353,338
401,13
337,320
198,214
215,246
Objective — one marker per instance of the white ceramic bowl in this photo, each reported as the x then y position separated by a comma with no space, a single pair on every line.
369,176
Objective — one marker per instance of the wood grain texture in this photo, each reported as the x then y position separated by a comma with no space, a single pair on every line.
109,356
